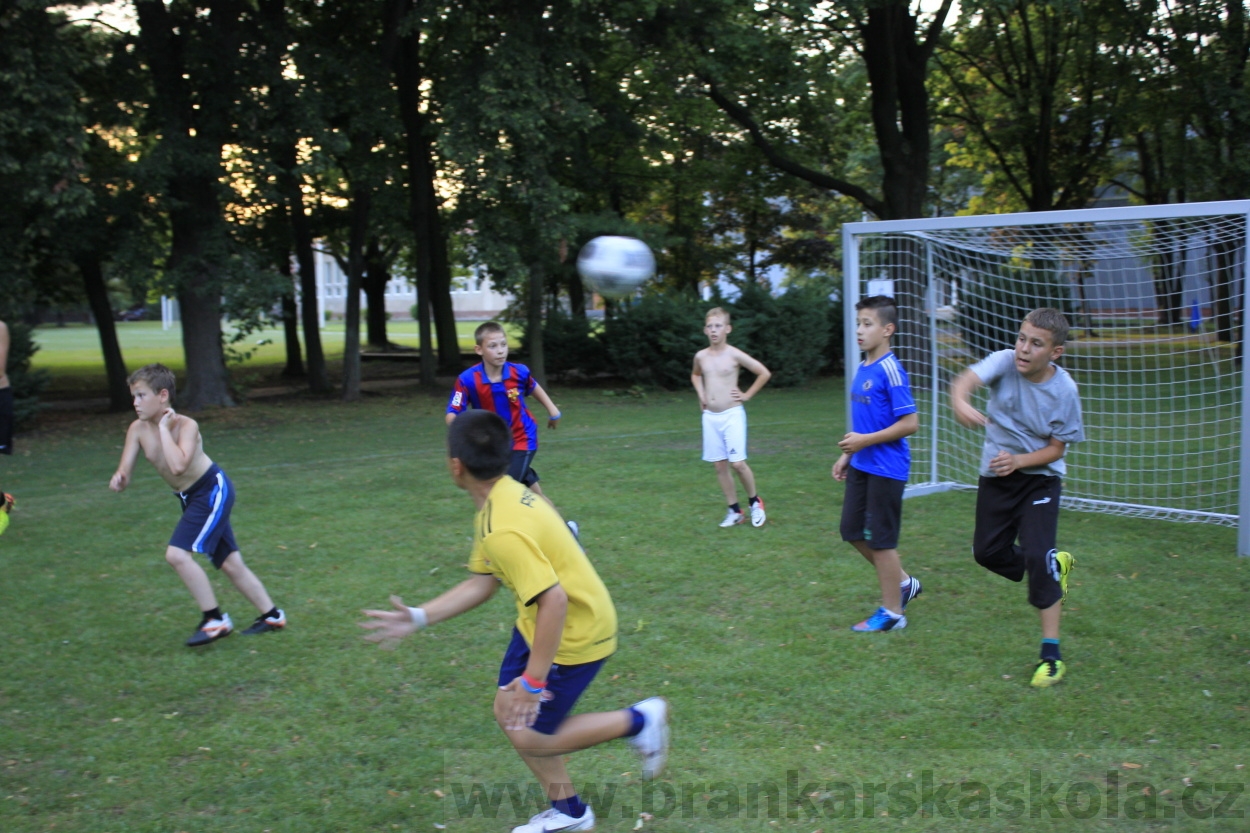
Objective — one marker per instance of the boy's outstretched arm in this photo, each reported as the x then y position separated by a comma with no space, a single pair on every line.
904,426
553,413
962,388
762,375
389,626
130,453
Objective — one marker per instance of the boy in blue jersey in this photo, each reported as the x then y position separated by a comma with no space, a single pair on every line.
1034,413
496,384
564,631
875,461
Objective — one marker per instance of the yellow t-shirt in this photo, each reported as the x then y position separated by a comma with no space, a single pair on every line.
520,540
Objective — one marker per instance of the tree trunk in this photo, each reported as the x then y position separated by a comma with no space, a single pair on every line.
377,275
897,64
361,200
404,50
534,323
301,234
290,325
193,108
440,281
98,299
197,242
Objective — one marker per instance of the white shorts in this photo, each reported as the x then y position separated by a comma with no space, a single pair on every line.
725,435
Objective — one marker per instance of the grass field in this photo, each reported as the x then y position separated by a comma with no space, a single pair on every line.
72,355
784,719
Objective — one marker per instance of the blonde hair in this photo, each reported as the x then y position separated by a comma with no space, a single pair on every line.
723,313
479,335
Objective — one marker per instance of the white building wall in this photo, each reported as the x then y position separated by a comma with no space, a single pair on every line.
475,298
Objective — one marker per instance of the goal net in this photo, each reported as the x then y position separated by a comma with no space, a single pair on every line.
1154,295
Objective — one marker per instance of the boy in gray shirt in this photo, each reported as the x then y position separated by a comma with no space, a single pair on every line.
1034,413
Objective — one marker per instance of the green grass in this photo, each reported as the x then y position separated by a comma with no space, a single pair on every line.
72,355
107,723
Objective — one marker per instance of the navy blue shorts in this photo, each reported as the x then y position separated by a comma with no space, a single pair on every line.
519,469
205,525
565,683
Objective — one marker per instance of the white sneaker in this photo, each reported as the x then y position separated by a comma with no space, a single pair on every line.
651,743
553,821
732,518
211,631
757,513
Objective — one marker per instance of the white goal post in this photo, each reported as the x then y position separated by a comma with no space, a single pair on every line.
1155,296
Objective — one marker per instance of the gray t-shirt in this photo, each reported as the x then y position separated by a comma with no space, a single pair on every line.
1024,415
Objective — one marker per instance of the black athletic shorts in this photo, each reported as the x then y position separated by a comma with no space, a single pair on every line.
6,420
1017,524
872,509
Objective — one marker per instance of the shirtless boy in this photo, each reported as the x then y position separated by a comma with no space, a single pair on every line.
715,379
172,443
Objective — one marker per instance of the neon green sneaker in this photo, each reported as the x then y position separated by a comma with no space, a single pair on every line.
6,505
1066,562
1048,672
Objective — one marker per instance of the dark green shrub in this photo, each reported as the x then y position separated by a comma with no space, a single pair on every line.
787,333
835,347
570,343
653,341
990,311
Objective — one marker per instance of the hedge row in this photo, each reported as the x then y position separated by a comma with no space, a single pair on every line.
653,341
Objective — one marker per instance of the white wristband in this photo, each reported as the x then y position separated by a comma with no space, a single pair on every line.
418,617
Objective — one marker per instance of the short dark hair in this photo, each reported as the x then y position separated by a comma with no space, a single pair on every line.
482,442
156,376
1052,320
887,310
479,335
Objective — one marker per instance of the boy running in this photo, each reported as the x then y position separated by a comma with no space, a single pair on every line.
496,384
715,379
1034,413
876,460
172,443
565,628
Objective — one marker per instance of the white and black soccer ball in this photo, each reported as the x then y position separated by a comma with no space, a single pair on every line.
615,266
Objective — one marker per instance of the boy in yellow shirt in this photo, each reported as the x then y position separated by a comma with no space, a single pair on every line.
565,627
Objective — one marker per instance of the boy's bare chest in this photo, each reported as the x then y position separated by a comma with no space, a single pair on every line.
721,365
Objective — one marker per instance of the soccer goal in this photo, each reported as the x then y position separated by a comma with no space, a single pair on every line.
1155,296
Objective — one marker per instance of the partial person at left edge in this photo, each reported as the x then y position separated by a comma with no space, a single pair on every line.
6,421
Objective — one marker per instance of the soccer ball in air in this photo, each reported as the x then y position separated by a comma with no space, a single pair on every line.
615,266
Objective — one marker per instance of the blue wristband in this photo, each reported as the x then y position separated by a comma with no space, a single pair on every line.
532,690
557,416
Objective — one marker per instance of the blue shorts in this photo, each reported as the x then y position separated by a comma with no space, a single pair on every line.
519,469
205,525
565,683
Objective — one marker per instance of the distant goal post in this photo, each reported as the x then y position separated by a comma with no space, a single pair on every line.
1155,296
